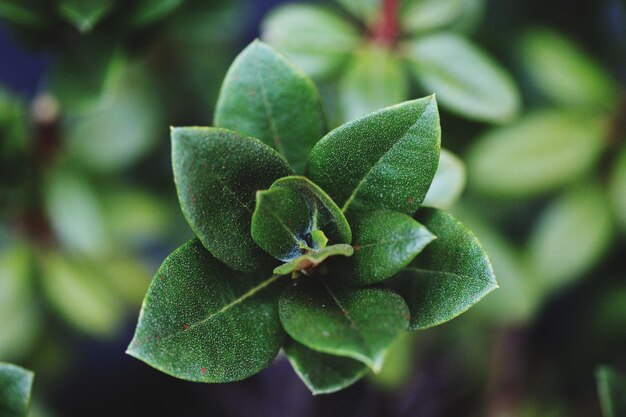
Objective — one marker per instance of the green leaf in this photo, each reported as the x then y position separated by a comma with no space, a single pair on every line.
323,373
419,16
618,189
289,213
313,258
374,79
449,182
85,14
576,81
571,235
359,323
612,391
466,80
543,151
385,160
384,243
217,175
31,14
365,10
15,389
147,12
317,40
266,97
203,322
452,274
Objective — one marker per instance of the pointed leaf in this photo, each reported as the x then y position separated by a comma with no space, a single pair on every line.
452,274
15,389
217,174
384,160
618,189
449,182
317,40
288,213
374,79
266,97
85,14
313,258
323,373
203,322
466,80
612,392
384,243
146,12
359,323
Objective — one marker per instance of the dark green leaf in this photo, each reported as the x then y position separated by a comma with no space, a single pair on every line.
365,10
290,210
452,274
359,323
466,80
31,14
149,11
323,373
204,322
543,151
385,160
313,258
384,243
15,388
374,79
618,189
266,97
317,40
85,14
612,392
217,175
419,16
449,182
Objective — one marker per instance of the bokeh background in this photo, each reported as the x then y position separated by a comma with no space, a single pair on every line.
88,208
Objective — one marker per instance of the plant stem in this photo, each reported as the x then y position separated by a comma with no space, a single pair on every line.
387,29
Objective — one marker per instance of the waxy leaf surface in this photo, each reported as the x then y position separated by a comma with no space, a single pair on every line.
217,174
266,97
203,322
15,388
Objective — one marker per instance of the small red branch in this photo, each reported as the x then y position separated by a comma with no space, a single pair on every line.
387,29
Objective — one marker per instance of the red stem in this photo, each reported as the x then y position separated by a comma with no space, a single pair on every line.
387,29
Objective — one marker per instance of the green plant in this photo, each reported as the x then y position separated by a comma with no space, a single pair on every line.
323,265
371,50
612,391
15,388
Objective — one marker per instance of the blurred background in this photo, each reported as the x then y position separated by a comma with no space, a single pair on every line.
533,102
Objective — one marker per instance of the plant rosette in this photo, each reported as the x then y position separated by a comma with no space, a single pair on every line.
306,245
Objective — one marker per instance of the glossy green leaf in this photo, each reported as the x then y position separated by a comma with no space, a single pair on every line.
359,323
203,322
323,373
419,16
452,274
373,80
618,189
217,174
15,389
449,182
571,235
266,97
286,216
317,40
612,392
85,14
313,258
564,73
385,160
384,243
149,11
367,11
541,152
466,80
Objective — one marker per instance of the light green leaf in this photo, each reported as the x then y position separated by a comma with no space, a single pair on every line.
85,14
359,323
618,189
147,12
419,16
266,97
571,236
399,365
311,259
466,80
564,73
373,80
291,213
203,322
217,174
15,389
449,182
384,243
541,152
612,391
452,274
365,10
385,160
317,40
323,373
